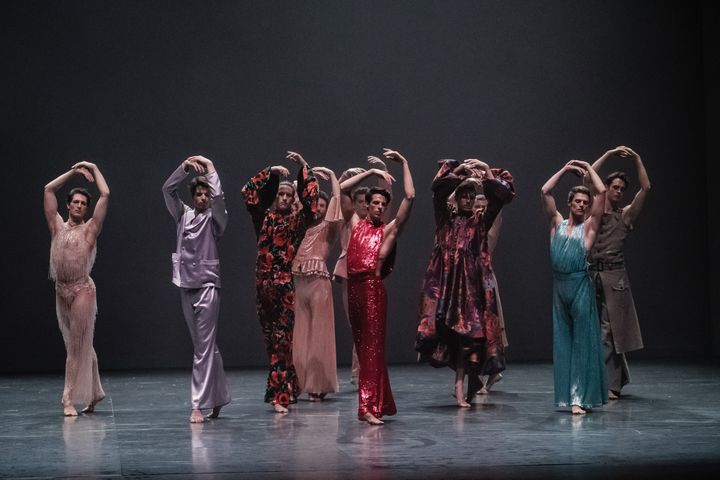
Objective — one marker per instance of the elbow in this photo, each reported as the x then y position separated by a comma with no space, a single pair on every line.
646,188
410,196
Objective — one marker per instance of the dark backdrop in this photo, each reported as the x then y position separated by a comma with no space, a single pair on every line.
137,86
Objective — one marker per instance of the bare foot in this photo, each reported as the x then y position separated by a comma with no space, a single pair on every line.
492,380
578,410
215,412
313,397
372,419
196,416
69,411
279,408
460,396
612,395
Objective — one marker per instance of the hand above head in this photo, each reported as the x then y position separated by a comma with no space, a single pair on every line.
376,162
195,163
85,169
297,158
393,155
279,170
578,167
323,172
206,163
628,152
385,175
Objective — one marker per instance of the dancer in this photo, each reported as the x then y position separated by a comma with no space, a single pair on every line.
459,325
359,205
72,254
196,270
280,231
618,319
577,353
314,334
370,258
493,235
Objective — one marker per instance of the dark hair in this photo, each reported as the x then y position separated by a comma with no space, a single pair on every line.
377,191
620,175
324,196
199,181
81,191
359,191
579,189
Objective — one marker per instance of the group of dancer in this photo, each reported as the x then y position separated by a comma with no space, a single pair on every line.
461,324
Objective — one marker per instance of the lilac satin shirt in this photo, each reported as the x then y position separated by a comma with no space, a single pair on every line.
196,262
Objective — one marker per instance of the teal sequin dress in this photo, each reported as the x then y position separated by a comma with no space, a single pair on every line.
577,351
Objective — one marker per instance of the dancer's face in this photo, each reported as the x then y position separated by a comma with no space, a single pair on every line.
285,198
480,204
360,205
321,209
78,207
201,198
579,206
465,200
377,207
615,191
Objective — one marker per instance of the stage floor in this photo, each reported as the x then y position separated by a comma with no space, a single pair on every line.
666,425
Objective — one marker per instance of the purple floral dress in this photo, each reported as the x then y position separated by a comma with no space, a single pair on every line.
458,309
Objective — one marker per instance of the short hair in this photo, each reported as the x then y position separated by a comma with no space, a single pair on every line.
199,181
621,175
81,191
324,196
377,191
359,191
579,189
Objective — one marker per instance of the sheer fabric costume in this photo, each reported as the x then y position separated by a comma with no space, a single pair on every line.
340,276
459,317
196,270
367,307
279,235
619,323
578,365
71,259
314,353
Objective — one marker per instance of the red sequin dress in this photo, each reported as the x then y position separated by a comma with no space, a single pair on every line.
367,308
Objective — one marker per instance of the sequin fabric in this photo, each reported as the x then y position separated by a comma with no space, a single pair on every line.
367,308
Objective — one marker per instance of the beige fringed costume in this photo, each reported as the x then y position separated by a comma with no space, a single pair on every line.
71,259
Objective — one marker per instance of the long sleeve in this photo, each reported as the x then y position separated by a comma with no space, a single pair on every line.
442,186
172,200
308,190
258,194
498,192
219,212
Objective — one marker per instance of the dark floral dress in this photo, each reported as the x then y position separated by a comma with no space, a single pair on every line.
458,309
279,235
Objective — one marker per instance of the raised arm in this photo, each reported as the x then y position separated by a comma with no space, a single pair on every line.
172,200
306,188
548,201
217,196
347,186
50,204
598,205
259,192
403,213
632,211
101,206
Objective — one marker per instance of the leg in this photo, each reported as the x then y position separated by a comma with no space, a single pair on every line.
459,385
278,320
82,383
303,340
355,366
209,389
